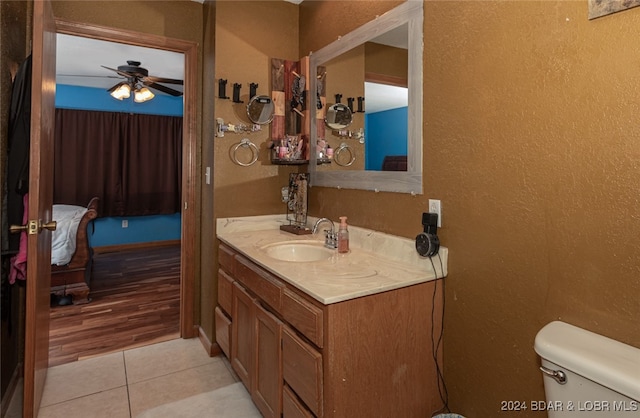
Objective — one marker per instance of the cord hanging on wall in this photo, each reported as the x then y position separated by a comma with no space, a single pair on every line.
222,87
236,93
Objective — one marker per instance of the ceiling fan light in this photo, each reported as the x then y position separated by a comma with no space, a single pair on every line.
121,91
142,95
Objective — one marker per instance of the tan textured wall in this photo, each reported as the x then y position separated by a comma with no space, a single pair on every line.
180,19
386,60
531,142
248,35
345,76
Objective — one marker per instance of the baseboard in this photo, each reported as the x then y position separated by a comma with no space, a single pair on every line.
212,348
134,246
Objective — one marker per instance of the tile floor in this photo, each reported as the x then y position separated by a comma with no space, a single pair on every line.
164,379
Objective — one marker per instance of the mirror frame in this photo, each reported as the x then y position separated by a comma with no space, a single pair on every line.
409,181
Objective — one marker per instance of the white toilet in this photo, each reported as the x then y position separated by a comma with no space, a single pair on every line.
586,374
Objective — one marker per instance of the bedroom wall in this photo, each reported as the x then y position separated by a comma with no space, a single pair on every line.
91,98
140,229
381,133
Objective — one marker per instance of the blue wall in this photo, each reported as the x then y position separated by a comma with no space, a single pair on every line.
90,98
386,133
109,231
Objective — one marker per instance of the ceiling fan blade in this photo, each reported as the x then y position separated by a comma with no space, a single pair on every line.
88,76
162,88
163,80
122,73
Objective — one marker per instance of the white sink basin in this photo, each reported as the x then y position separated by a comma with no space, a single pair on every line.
298,251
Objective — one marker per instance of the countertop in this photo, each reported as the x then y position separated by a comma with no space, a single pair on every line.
376,262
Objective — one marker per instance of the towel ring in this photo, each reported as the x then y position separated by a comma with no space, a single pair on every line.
246,142
342,147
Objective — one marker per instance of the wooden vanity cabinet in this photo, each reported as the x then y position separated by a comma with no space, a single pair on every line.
222,313
368,356
256,338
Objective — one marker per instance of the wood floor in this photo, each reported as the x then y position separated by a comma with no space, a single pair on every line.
135,301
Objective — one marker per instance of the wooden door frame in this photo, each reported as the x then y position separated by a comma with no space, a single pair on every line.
188,225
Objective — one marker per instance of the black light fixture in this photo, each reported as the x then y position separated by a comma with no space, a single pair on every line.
138,81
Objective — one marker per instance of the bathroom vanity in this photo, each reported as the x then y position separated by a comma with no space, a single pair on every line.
340,335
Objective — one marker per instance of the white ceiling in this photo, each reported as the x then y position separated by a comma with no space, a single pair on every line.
380,97
79,61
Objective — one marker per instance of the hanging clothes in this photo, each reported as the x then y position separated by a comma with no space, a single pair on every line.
18,155
18,264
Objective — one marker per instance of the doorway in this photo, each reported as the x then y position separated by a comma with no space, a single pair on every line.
135,295
188,218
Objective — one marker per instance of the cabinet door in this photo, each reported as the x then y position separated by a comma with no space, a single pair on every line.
267,379
242,332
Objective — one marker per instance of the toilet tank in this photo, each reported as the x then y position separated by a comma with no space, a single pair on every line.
601,375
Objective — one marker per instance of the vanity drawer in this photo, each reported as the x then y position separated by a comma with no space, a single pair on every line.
302,370
292,407
223,331
304,316
260,282
226,258
225,290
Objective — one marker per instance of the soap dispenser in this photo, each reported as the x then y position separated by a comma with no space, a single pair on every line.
343,236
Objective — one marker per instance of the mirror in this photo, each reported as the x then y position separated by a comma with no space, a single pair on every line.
405,19
260,110
338,116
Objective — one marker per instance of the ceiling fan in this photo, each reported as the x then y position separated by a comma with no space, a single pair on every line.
137,80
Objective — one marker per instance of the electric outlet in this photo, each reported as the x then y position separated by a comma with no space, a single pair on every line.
125,223
435,207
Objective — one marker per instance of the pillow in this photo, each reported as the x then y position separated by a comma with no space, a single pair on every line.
63,239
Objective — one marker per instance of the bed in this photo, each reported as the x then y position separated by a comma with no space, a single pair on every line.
71,255
394,163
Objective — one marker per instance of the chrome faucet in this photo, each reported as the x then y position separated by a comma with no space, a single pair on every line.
330,236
